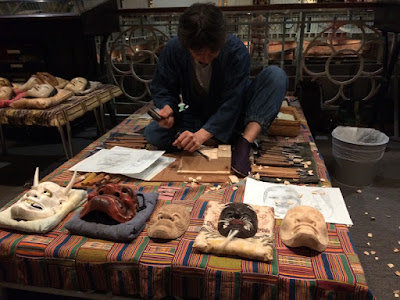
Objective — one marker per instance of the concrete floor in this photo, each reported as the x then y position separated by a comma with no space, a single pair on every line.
381,200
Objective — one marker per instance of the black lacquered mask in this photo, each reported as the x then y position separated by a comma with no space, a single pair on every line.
239,217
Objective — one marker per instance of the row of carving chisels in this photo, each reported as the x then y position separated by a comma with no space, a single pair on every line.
282,161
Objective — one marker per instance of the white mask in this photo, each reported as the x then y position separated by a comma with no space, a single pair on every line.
77,84
43,200
40,91
304,226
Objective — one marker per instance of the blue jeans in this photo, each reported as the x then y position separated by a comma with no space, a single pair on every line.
262,102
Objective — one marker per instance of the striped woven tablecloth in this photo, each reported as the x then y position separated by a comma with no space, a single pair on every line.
154,270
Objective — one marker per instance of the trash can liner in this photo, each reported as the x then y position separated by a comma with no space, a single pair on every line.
358,144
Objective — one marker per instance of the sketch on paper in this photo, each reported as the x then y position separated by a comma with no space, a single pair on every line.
329,201
118,160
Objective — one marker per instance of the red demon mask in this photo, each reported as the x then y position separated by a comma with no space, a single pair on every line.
119,202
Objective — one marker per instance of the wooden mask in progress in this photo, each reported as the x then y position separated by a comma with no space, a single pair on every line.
304,226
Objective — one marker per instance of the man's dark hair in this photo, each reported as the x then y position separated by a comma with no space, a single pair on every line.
202,26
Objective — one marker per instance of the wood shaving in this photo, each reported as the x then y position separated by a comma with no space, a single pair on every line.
278,179
190,178
366,252
305,166
396,295
396,291
294,179
199,178
366,213
290,202
397,273
359,191
308,162
377,198
369,244
369,234
373,218
398,242
376,258
235,188
260,168
322,179
373,252
388,216
300,195
256,176
286,182
233,179
310,172
314,192
396,250
390,265
322,193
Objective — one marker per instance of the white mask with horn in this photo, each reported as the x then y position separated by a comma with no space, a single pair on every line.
43,200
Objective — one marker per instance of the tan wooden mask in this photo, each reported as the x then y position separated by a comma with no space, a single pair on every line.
168,222
304,226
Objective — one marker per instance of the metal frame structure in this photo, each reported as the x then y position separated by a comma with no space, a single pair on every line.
274,34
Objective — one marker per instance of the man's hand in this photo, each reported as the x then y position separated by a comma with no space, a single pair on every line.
167,115
192,141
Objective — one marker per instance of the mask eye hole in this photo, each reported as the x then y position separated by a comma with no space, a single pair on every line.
47,193
125,190
117,194
101,192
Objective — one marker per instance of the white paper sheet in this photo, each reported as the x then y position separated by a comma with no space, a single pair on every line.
329,201
118,160
155,168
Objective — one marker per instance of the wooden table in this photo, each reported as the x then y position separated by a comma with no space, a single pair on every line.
61,115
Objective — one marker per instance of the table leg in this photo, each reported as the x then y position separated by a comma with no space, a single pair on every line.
61,131
3,142
110,105
98,122
103,123
69,137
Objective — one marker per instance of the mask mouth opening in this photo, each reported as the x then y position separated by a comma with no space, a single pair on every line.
33,204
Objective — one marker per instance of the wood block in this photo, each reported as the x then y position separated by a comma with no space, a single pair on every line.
196,164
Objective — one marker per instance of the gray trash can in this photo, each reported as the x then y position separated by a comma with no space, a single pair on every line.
357,152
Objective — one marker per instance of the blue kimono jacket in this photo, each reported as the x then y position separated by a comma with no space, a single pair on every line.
219,110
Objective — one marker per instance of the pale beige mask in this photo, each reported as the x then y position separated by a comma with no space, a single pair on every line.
304,226
32,81
77,84
43,200
5,82
5,92
40,91
168,222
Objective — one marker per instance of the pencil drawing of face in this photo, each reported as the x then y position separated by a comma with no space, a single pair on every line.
282,198
240,217
304,226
